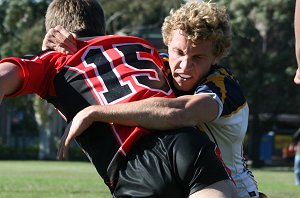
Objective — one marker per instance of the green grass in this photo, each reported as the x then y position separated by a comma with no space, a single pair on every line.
35,179
277,182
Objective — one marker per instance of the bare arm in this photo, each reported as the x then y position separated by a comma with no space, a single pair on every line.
297,40
10,80
159,113
152,113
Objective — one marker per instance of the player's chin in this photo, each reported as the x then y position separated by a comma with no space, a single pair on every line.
184,85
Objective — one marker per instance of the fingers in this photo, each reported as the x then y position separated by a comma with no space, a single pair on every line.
297,77
74,36
65,144
48,40
60,40
68,40
76,127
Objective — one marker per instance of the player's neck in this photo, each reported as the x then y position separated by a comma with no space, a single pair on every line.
86,38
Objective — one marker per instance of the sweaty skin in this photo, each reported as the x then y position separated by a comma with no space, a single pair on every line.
10,79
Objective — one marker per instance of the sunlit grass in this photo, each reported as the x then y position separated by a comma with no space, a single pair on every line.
30,179
277,182
36,179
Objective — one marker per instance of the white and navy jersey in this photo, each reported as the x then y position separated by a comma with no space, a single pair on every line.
106,70
229,128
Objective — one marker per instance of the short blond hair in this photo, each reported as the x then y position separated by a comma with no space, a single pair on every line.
82,17
200,21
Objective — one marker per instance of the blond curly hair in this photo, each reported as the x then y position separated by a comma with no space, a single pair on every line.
200,21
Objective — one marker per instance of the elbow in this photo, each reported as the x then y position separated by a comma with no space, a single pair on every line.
10,78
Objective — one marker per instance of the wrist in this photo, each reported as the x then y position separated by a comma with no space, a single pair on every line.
93,113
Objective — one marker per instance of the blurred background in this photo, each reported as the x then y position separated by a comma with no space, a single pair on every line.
262,58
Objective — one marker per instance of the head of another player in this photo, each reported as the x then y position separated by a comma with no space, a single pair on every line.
197,35
85,18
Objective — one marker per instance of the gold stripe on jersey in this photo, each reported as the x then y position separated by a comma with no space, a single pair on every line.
234,112
221,82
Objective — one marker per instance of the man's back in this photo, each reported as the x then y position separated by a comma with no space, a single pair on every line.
106,70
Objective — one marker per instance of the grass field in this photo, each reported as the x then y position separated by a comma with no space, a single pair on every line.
35,179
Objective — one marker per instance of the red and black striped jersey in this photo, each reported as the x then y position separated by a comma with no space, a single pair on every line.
106,70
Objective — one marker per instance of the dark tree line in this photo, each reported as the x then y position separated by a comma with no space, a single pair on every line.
262,56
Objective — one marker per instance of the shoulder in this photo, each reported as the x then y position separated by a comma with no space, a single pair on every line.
222,82
219,72
219,79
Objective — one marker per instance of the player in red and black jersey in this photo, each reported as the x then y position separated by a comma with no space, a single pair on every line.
132,161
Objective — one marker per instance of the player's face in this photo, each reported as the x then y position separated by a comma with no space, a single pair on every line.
189,64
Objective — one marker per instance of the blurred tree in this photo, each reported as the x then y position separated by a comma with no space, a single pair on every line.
262,56
50,128
124,15
19,19
22,31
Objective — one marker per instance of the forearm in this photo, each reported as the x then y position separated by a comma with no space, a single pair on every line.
10,80
151,113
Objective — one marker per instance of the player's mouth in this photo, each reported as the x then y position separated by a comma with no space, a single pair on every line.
184,76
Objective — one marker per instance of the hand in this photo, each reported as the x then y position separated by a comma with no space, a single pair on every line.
60,40
297,77
77,126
